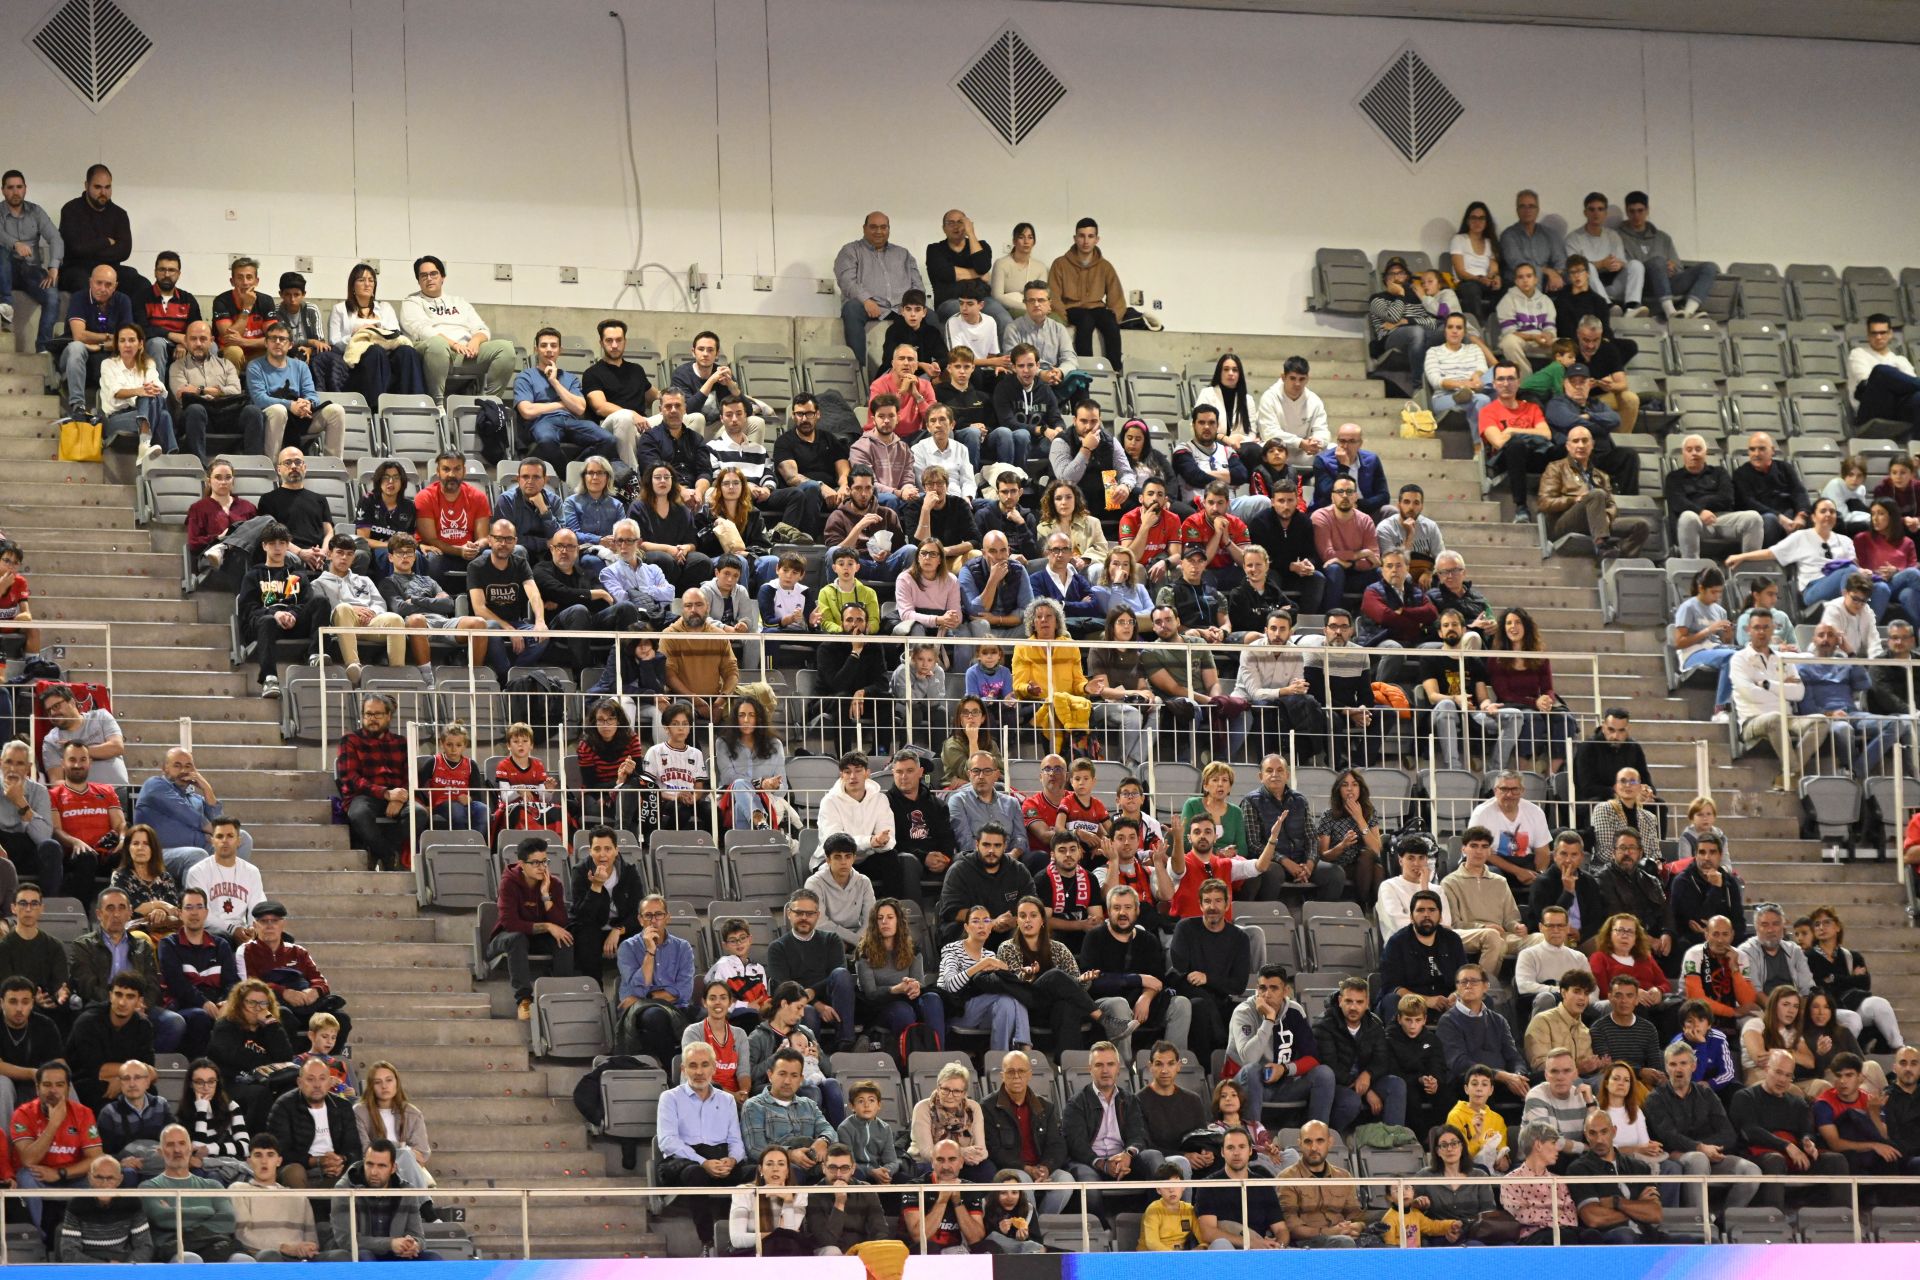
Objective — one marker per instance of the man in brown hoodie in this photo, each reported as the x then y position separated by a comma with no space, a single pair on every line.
700,670
1087,288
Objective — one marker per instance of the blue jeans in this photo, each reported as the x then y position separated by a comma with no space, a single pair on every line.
160,351
1316,1086
76,363
838,992
853,323
972,438
1003,1016
898,561
500,655
1349,1106
1008,444
453,815
1338,575
16,273
899,1013
168,1030
563,428
1832,584
746,804
1717,658
1414,339
154,410
1695,281
1904,590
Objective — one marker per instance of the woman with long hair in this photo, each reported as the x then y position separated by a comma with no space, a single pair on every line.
1228,1106
1350,835
1034,957
1064,510
1519,696
1120,588
1149,463
750,763
731,499
133,396
1885,549
141,873
970,734
215,1122
1622,946
732,1058
668,540
891,979
1702,633
1843,975
1777,1027
979,986
386,361
609,756
384,1112
249,1045
385,509
768,1221
1817,559
1827,1038
218,513
1226,391
1474,253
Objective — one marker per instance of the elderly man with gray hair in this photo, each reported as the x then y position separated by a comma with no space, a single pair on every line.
1701,503
26,819
1452,589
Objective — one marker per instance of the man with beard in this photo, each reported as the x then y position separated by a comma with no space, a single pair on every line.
1420,960
1210,962
988,879
1132,964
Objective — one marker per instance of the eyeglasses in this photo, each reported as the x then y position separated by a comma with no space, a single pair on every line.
257,1004
653,915
533,862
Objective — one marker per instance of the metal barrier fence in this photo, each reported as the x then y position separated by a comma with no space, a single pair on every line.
1055,705
1397,1195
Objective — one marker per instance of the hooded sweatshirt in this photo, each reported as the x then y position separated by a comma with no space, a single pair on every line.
862,819
1096,284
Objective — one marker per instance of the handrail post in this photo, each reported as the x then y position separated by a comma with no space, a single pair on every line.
353,1229
413,815
526,1225
179,1224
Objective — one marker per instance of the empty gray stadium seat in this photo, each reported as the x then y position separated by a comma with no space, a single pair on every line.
1758,348
1763,294
410,425
1869,290
1814,293
570,1018
1834,803
1633,592
1342,282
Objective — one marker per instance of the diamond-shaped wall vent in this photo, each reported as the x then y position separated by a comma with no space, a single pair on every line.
1410,106
93,46
1011,87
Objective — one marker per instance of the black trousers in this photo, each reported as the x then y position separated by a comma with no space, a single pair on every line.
1087,321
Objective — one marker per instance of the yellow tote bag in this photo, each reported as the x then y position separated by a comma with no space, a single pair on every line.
80,441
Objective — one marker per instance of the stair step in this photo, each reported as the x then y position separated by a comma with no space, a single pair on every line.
515,1168
497,1032
29,515
484,1087
442,1007
551,1137
385,978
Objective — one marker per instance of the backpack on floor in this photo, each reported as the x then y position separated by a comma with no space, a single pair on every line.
536,698
918,1038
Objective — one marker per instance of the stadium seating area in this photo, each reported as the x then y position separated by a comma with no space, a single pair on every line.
407,926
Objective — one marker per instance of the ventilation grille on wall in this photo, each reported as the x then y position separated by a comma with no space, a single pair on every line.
1011,87
93,46
1411,106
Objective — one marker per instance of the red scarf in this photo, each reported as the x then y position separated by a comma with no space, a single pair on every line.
1072,903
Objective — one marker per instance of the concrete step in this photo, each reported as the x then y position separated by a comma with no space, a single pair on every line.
516,1168
440,1007
71,494
452,1057
487,1088
555,1137
508,1033
385,978
120,586
34,511
377,884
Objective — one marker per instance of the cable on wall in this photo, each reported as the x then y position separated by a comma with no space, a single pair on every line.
633,171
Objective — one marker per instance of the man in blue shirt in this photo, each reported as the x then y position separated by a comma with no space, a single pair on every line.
656,985
283,389
531,507
1833,690
179,804
554,409
93,313
699,1135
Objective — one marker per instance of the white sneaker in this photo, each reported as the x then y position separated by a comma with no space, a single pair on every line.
1638,313
270,687
1692,308
1721,716
6,312
353,674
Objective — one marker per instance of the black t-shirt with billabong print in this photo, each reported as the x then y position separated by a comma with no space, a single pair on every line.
504,590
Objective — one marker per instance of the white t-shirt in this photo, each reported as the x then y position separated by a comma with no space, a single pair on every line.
232,892
1475,263
982,339
682,770
1528,819
1629,1133
1806,554
322,1134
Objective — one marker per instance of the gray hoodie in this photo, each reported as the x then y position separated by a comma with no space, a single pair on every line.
1648,243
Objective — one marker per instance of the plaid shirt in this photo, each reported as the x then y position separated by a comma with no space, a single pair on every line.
765,1123
370,764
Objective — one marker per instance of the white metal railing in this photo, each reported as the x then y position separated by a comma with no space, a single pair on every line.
1400,1192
